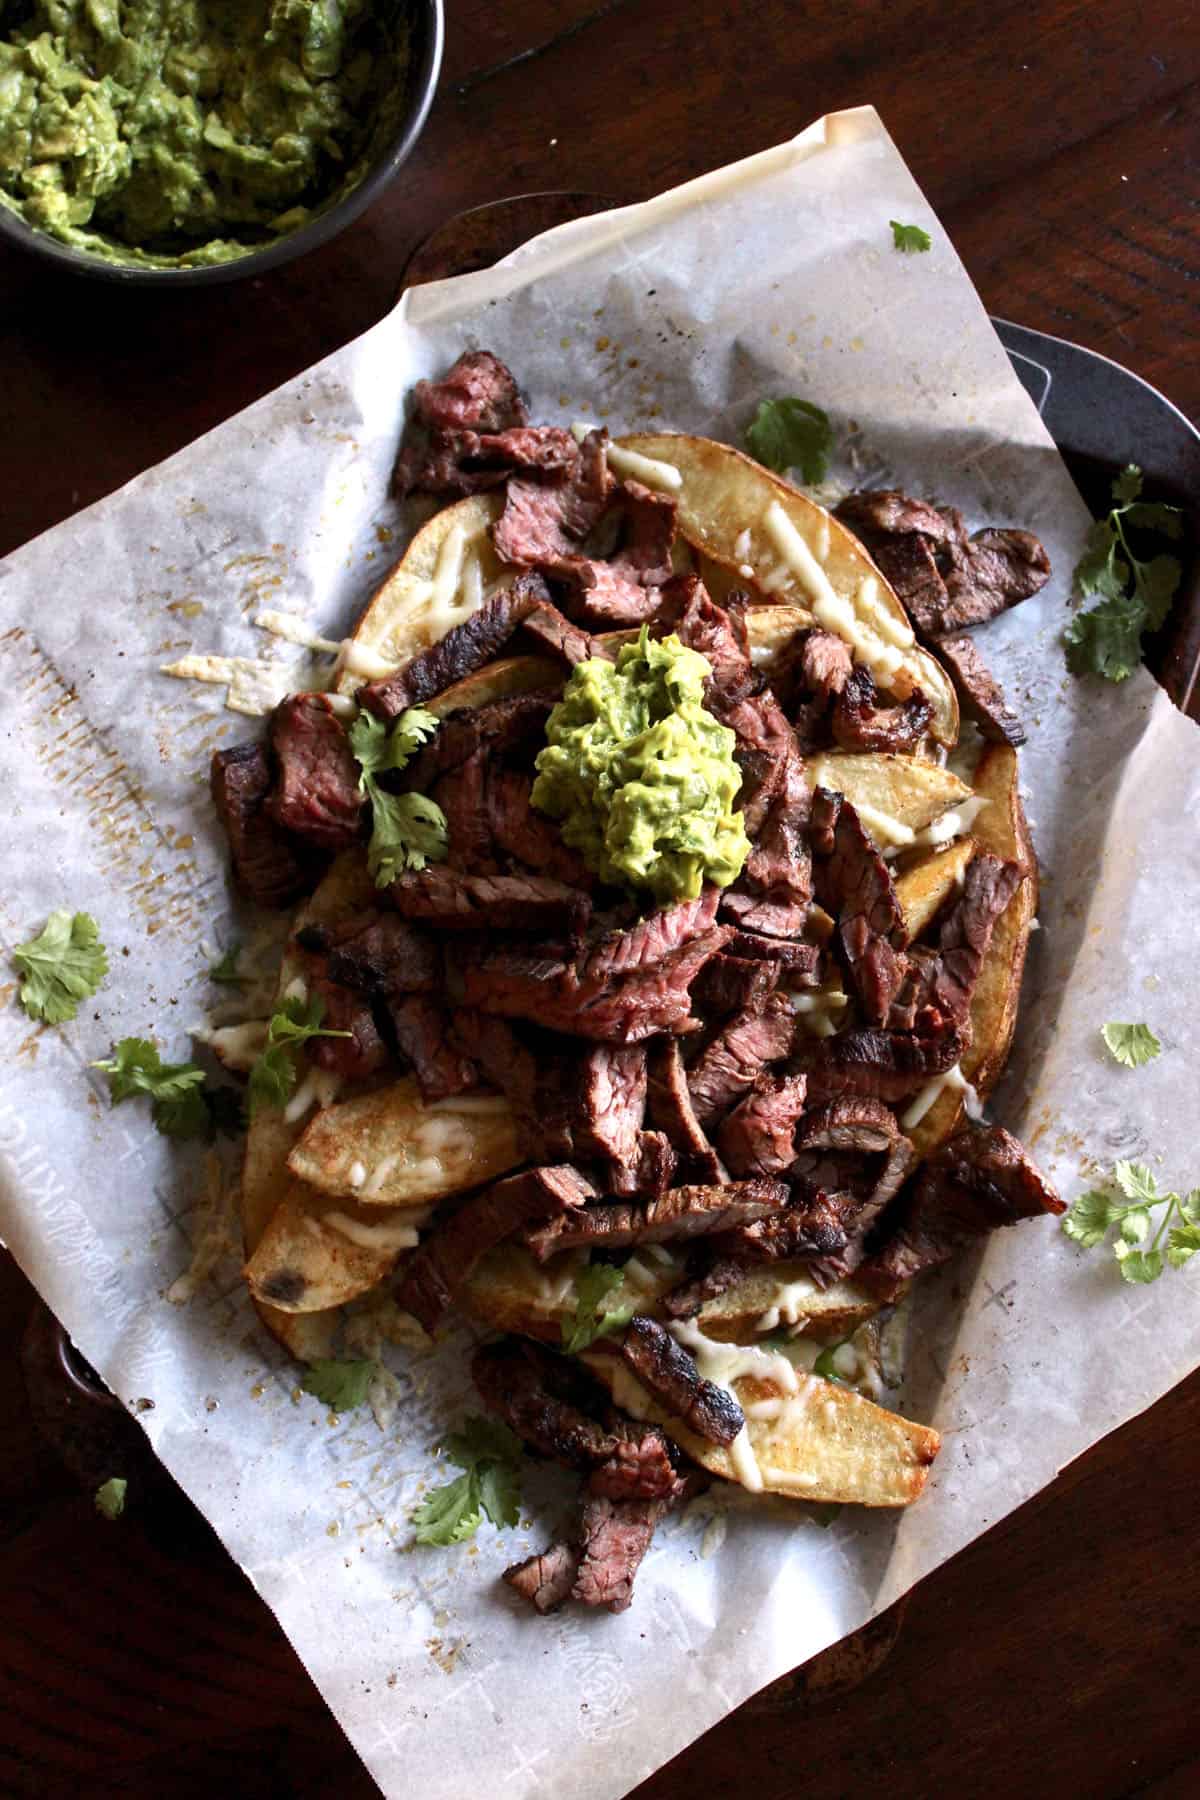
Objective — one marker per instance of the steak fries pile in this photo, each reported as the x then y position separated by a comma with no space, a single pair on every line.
676,1153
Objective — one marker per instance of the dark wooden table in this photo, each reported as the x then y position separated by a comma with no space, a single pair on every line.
1060,143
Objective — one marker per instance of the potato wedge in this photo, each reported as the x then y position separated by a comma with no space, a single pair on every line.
439,581
390,1148
498,681
723,505
1001,828
824,1442
925,887
895,796
511,1292
313,1257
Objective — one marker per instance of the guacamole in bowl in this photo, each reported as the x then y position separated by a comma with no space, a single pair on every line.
173,135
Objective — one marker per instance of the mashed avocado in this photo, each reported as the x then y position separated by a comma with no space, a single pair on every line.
641,776
180,132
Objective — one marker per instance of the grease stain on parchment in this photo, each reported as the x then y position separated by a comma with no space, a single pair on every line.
163,886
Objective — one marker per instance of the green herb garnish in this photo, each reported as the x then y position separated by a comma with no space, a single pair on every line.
1128,1208
408,830
274,1074
341,1386
180,1106
1134,596
64,964
791,434
1132,1045
592,1318
909,238
490,1455
110,1497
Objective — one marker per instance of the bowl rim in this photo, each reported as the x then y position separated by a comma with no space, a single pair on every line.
429,17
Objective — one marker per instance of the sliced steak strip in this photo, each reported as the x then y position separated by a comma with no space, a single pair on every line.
733,1061
539,1089
457,902
528,835
316,796
496,727
544,524
758,1136
616,1536
876,514
797,958
649,1172
715,1275
773,892
814,1227
855,884
477,393
682,1213
979,693
980,1180
375,953
551,630
624,588
447,1257
641,1466
855,1128
545,1580
889,1065
995,570
462,794
612,1103
670,1372
470,429
419,1028
731,983
364,1051
268,867
941,983
671,1111
860,723
464,649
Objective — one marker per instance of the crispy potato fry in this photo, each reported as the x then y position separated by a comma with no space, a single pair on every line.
895,796
313,1257
826,1442
389,1148
439,581
925,888
723,503
511,1292
498,681
1000,828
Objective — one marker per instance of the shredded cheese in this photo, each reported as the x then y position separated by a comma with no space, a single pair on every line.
882,825
319,1088
234,1046
361,660
296,631
647,469
929,1094
387,1236
723,1364
955,823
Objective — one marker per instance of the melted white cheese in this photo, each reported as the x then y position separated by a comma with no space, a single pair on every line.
361,660
646,469
234,1046
255,688
387,1236
356,1174
296,631
881,825
874,613
723,1364
319,1088
953,824
790,1301
953,1078
446,576
482,1106
865,636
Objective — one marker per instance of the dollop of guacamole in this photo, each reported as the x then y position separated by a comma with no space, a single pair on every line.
641,776
184,132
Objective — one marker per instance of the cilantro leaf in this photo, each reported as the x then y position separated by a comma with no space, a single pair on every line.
274,1074
791,434
1137,1183
489,1453
407,830
1138,1265
226,972
64,964
500,1493
1134,595
183,1106
592,1318
110,1497
341,1386
1088,1221
1132,1045
450,1514
909,237
1182,1244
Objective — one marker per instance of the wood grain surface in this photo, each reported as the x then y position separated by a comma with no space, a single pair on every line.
1060,144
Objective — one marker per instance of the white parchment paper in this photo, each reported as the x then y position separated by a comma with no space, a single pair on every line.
774,276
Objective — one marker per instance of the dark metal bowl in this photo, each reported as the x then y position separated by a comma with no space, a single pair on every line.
425,61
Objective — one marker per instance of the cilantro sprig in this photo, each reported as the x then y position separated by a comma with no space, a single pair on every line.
274,1074
1126,1203
909,238
64,964
791,434
489,1454
592,1318
1135,596
110,1496
1131,1045
407,830
183,1106
340,1385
